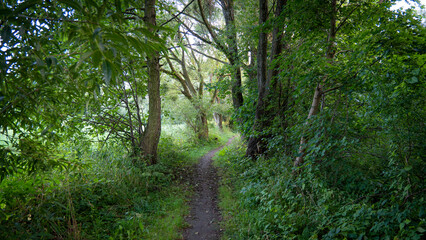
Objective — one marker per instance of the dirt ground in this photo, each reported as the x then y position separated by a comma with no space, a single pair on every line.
205,216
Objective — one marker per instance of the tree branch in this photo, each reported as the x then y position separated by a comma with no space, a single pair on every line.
211,57
177,15
346,18
209,28
205,40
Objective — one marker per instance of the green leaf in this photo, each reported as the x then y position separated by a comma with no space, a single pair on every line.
25,5
116,37
413,79
416,71
96,33
183,47
83,57
51,61
138,45
107,70
408,168
96,57
92,3
73,4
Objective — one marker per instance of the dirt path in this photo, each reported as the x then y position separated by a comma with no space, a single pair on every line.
205,214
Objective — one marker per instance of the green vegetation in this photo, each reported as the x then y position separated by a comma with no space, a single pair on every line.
105,106
102,195
264,200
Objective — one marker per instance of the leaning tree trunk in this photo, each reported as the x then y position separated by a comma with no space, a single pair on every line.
319,89
151,137
200,126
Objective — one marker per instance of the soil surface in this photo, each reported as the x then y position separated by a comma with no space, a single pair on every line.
205,216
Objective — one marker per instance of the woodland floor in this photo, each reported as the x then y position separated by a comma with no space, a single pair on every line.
205,216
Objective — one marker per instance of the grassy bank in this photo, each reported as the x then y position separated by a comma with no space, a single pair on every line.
234,215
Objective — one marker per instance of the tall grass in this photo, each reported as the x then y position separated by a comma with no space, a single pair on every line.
100,194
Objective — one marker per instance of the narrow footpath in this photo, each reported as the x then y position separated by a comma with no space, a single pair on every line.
205,216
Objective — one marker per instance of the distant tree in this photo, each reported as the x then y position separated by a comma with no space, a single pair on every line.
194,94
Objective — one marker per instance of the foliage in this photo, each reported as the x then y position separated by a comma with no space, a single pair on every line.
57,58
73,114
263,199
100,193
362,171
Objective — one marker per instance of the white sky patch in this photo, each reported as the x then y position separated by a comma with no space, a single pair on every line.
404,4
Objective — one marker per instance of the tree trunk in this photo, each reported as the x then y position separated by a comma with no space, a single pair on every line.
237,94
250,69
254,145
313,111
203,132
319,89
152,132
232,53
217,116
277,44
220,122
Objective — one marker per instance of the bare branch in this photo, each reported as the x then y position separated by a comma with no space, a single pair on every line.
209,28
205,40
211,57
177,15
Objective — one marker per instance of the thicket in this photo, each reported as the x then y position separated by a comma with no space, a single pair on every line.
342,199
339,144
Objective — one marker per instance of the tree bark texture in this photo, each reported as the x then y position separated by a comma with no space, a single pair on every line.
152,132
254,145
204,131
232,52
319,89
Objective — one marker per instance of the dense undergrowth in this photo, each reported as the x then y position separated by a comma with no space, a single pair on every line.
100,194
263,199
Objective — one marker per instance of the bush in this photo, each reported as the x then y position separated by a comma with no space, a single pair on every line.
270,202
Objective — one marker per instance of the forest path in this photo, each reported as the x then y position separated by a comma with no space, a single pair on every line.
205,216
